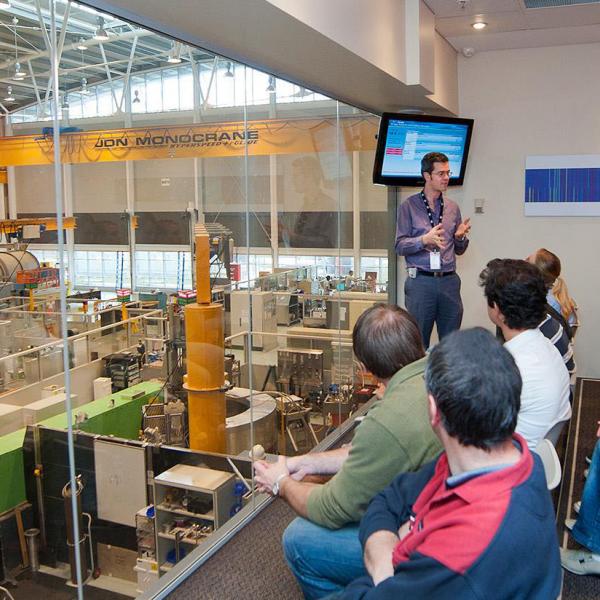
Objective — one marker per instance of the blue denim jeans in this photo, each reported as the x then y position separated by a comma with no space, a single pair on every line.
323,560
434,300
587,528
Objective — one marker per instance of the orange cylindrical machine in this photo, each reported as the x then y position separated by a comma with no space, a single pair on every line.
205,359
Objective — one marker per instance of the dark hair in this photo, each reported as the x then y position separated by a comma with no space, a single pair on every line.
517,288
548,264
430,158
385,339
476,386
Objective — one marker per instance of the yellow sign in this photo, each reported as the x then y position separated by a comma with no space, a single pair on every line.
255,138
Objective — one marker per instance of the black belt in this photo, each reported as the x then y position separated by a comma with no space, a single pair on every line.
436,273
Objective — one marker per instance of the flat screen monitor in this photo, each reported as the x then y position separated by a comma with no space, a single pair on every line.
404,139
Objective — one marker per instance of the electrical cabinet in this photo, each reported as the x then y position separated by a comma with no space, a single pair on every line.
190,503
264,318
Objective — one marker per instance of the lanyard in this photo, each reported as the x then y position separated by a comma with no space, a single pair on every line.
430,213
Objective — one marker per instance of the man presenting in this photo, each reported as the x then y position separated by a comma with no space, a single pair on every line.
430,233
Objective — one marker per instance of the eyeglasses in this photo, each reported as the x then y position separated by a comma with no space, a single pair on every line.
442,173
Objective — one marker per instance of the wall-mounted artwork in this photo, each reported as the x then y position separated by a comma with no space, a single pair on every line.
562,186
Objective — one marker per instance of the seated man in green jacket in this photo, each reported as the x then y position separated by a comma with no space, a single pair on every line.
322,546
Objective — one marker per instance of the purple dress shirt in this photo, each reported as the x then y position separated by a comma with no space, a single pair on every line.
413,222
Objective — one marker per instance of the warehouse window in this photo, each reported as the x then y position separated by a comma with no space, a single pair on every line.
321,265
45,255
103,269
163,270
172,89
378,264
251,265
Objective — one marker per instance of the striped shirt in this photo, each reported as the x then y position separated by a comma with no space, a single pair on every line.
554,331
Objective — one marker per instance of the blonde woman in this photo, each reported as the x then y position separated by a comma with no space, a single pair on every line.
558,294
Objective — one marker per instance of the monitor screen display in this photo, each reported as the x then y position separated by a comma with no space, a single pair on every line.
404,139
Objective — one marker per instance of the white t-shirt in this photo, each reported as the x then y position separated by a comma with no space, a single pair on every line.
545,393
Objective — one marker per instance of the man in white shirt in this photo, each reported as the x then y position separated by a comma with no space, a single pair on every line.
516,298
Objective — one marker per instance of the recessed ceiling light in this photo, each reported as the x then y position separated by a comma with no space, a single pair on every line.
479,25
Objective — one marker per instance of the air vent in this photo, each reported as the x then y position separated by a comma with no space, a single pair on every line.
555,3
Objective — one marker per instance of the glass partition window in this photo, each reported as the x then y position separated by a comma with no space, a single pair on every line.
176,370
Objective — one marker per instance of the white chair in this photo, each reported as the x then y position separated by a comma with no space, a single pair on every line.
553,471
555,432
546,451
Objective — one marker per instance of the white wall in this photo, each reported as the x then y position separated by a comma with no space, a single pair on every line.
99,187
375,35
532,101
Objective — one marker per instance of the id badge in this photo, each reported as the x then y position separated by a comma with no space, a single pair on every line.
435,261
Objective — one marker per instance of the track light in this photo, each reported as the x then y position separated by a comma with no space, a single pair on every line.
9,95
18,75
229,72
271,86
81,44
136,97
101,34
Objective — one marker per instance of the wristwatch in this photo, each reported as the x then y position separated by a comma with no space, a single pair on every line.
277,484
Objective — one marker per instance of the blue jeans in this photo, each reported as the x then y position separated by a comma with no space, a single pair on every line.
587,528
323,560
434,300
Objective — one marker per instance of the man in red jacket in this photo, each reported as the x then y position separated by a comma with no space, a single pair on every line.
478,522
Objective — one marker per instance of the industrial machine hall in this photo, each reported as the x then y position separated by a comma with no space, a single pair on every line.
194,214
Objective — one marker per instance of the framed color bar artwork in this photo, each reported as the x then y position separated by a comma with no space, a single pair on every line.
562,186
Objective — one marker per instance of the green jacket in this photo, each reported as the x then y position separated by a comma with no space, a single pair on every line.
394,437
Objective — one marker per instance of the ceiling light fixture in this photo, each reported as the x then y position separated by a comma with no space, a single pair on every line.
18,75
229,72
272,82
136,96
9,95
84,86
4,3
479,25
81,45
100,34
302,92
174,53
